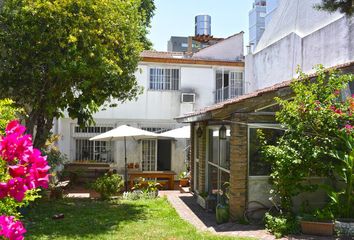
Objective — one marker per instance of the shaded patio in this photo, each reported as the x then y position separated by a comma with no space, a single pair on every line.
188,209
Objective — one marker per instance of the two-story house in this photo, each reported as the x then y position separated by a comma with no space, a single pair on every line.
174,83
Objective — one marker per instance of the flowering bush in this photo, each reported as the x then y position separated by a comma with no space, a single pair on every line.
314,121
24,169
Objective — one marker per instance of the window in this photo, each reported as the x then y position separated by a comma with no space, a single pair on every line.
86,150
97,151
258,166
148,162
156,129
164,78
218,160
229,84
236,84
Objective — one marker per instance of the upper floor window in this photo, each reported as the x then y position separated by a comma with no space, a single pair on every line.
229,84
164,78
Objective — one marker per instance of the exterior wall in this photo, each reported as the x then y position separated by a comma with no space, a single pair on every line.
299,35
278,62
202,157
271,7
228,49
153,108
238,167
275,64
192,155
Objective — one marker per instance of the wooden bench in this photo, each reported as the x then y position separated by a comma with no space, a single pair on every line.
169,175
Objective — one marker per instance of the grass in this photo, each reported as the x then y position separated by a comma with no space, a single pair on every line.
90,219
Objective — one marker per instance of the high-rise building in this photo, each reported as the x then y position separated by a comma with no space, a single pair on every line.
256,21
272,5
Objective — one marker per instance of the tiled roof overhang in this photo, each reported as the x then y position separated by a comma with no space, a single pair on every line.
251,101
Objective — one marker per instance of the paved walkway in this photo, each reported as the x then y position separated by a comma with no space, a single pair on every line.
189,210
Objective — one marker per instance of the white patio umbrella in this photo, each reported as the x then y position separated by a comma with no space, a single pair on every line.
182,132
122,133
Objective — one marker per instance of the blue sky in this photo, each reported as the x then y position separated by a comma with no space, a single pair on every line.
176,18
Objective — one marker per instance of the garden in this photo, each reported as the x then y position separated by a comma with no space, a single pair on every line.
318,142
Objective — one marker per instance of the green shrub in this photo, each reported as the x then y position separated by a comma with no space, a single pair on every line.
108,185
281,225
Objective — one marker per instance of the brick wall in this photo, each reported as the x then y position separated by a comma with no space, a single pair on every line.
202,157
238,166
192,155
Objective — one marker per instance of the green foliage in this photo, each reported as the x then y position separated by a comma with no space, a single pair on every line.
8,112
183,175
107,220
344,6
108,185
342,196
73,55
146,186
319,215
281,225
312,121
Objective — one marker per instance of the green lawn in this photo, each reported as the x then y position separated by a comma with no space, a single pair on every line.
89,219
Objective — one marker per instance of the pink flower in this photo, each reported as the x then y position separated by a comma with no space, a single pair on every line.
11,229
17,171
338,111
337,92
14,127
4,190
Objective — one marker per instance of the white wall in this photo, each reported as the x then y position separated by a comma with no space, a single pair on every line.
229,49
153,108
330,45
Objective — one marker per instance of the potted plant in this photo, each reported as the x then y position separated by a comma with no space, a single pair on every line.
183,179
222,209
318,223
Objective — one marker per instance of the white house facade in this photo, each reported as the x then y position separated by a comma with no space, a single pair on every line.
174,84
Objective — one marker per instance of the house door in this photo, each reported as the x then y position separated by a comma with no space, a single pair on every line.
164,155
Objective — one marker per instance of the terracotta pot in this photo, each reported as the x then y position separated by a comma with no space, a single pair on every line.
184,182
317,228
130,165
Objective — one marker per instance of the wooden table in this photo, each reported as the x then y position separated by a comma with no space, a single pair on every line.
169,175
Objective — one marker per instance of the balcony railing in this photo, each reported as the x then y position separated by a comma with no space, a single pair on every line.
225,93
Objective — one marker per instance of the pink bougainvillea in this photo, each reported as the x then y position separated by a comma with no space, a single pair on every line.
26,168
11,229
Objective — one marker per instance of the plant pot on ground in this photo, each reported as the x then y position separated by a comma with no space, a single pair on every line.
319,223
183,179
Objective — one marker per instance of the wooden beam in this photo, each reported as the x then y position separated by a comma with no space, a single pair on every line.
194,61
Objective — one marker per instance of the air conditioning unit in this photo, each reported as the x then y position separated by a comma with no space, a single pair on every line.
188,98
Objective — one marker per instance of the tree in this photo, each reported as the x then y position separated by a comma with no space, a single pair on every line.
70,55
344,6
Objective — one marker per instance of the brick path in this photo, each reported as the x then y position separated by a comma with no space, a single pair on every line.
189,210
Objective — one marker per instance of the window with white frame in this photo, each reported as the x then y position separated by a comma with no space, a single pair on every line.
258,166
86,150
164,78
149,150
218,159
229,84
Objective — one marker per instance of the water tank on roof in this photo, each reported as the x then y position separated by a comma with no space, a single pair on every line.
203,25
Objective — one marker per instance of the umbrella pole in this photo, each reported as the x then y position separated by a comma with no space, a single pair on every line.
125,168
